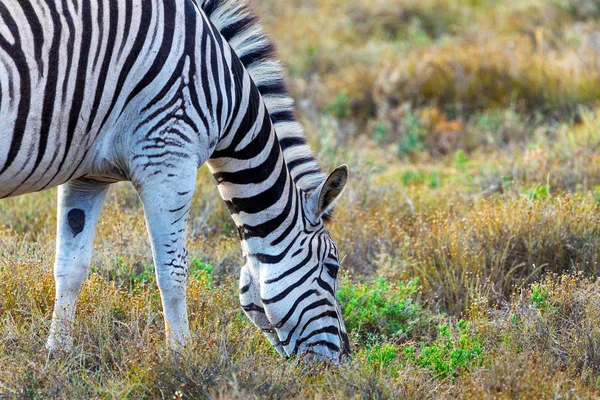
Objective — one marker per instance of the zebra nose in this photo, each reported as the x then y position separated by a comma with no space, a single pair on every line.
331,350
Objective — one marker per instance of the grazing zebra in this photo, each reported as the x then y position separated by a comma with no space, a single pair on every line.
98,91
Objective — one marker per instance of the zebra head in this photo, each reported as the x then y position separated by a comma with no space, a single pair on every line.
291,295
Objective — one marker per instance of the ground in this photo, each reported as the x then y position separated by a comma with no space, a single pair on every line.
471,223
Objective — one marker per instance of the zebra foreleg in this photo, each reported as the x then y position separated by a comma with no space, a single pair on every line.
79,206
167,201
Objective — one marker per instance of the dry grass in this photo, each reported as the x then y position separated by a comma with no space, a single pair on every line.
460,56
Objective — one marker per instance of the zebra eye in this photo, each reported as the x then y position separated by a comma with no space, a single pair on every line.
332,269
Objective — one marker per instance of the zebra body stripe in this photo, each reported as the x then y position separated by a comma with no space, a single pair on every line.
98,91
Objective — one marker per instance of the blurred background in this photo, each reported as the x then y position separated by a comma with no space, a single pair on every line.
447,109
436,75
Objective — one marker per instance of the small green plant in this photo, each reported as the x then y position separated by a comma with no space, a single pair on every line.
412,139
461,160
489,121
514,319
146,275
380,133
408,144
140,274
201,271
30,392
382,310
539,297
340,107
538,192
451,354
227,227
381,357
415,178
597,194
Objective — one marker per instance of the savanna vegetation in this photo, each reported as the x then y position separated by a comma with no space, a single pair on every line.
471,224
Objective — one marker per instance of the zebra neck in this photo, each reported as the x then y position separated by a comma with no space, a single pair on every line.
253,178
261,196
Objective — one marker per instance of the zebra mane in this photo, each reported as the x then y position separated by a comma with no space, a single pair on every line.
240,26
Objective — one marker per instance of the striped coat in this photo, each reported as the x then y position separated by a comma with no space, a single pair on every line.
98,91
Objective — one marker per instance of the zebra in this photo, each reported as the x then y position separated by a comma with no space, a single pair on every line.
94,92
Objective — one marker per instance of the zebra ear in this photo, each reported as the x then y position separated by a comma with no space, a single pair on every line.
330,191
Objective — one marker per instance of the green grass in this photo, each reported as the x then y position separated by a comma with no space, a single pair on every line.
450,355
382,311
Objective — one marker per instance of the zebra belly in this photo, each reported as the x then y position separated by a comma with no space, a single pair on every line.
38,162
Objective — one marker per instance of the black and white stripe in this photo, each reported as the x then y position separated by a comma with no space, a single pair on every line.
240,26
97,91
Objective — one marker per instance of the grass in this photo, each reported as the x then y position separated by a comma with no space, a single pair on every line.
383,312
471,224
